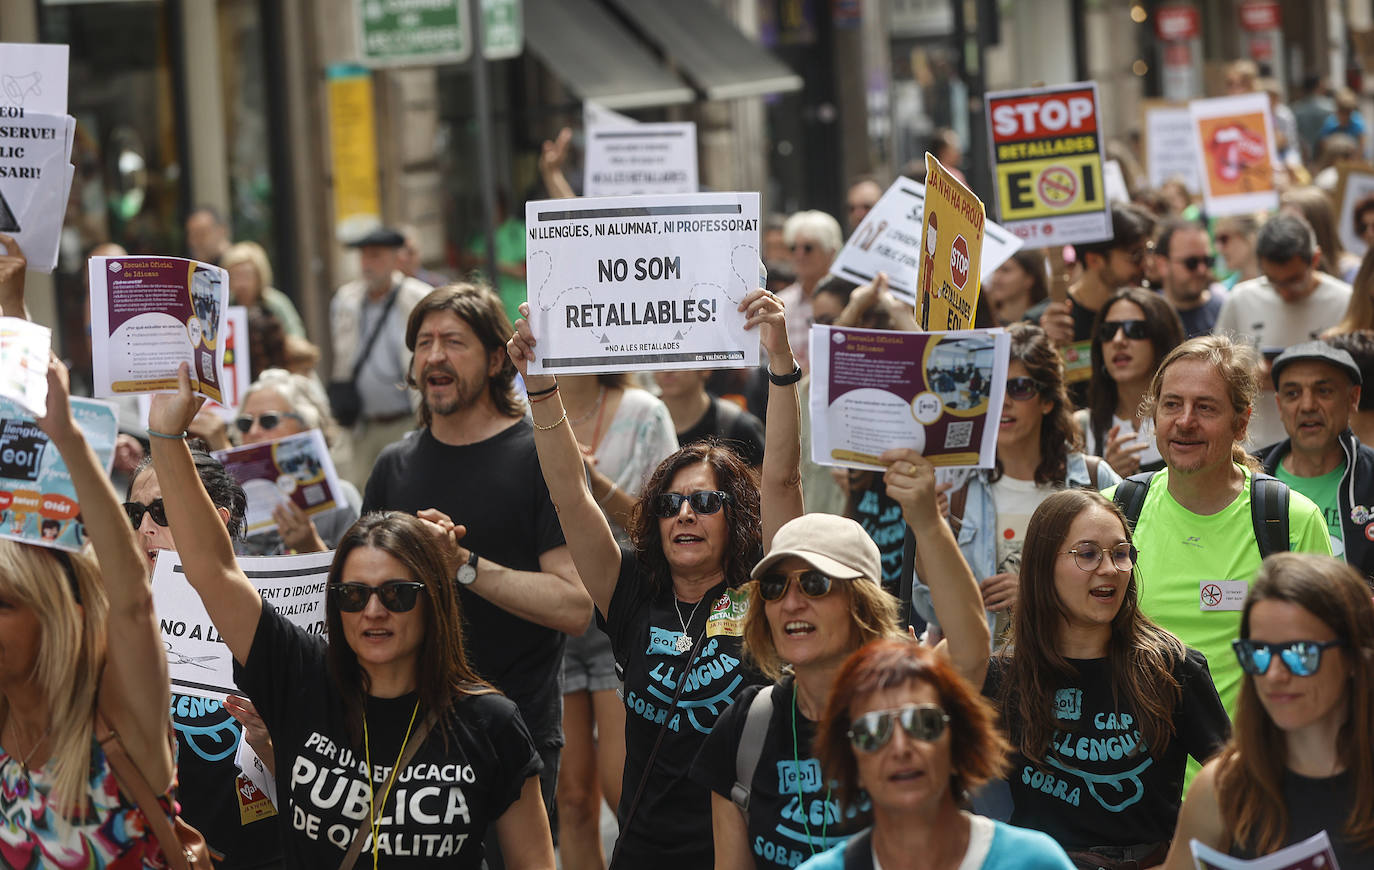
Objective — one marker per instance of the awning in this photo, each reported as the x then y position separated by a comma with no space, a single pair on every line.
708,49
593,53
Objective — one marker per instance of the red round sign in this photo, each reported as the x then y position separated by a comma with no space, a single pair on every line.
958,261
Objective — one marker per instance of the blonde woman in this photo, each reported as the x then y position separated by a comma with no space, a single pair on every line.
250,284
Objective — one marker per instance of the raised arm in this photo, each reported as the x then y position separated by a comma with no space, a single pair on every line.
781,474
591,543
954,592
551,159
206,550
134,690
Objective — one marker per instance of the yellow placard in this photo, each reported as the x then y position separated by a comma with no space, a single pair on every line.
353,149
1050,188
951,251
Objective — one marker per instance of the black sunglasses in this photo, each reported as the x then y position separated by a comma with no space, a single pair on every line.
398,596
1135,330
813,584
267,419
871,731
1302,657
703,501
154,509
1023,389
805,248
1191,263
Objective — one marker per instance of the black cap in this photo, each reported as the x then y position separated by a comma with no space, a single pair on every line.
381,237
1316,351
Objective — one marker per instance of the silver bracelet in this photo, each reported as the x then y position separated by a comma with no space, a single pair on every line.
607,497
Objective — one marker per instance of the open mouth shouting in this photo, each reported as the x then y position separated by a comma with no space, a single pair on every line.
439,376
798,628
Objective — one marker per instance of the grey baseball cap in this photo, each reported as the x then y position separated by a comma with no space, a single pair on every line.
1316,351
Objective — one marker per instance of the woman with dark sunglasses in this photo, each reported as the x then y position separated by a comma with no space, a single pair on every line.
394,746
1103,707
1037,454
905,730
1301,759
1134,331
673,604
277,404
816,598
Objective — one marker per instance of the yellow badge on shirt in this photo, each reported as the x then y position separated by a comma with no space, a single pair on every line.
253,802
727,614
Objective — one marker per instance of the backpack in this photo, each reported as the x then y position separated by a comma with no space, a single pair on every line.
751,747
1268,508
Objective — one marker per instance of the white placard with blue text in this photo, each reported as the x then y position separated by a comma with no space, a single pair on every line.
644,283
198,660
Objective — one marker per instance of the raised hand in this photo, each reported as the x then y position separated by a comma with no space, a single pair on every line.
172,413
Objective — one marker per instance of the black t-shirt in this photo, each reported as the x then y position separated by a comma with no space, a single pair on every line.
439,806
1316,805
792,812
1077,356
881,516
495,488
738,427
1099,785
237,819
672,826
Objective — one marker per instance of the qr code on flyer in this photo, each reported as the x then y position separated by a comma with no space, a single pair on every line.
958,434
207,362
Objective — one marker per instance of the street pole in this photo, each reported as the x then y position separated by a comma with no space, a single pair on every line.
486,167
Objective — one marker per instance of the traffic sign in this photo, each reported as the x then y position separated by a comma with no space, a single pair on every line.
402,33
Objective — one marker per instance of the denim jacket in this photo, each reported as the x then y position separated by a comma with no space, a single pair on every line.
977,532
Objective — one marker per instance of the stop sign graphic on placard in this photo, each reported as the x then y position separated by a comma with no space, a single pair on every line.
958,261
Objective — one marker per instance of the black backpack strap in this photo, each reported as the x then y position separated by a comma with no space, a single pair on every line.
1130,496
1269,514
858,852
751,747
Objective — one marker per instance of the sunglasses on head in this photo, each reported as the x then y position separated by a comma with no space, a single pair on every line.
872,731
1023,389
267,419
703,501
398,596
813,583
1191,263
1301,657
154,509
1136,330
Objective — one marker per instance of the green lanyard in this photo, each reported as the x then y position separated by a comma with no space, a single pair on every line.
801,804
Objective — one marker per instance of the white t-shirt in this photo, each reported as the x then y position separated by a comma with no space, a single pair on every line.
1254,311
1016,500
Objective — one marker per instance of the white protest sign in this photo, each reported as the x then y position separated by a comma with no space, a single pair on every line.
596,115
1170,147
1234,139
644,158
198,661
642,283
1357,187
889,240
149,315
24,348
33,76
35,176
1115,181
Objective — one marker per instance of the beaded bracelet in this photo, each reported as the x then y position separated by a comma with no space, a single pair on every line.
554,425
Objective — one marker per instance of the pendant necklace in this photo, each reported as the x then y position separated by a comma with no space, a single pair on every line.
24,762
684,641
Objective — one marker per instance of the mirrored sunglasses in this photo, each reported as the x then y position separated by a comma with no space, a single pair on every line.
398,596
872,731
703,501
1088,556
1302,657
154,509
1136,330
813,583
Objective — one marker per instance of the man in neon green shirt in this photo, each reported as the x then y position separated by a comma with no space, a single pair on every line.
1197,544
1318,388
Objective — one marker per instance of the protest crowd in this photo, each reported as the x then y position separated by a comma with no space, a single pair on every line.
1144,620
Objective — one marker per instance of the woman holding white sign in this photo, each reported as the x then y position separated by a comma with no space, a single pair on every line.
391,695
698,531
63,806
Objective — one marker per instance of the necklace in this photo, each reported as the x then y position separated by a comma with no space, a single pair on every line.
684,640
367,751
24,761
600,397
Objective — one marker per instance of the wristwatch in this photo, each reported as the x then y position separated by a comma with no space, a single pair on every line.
467,572
787,379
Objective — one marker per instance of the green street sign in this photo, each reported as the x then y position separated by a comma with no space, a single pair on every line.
407,33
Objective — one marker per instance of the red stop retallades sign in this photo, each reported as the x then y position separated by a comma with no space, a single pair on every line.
1258,15
1043,115
1177,23
958,262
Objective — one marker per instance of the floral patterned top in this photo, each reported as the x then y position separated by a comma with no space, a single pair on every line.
114,835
